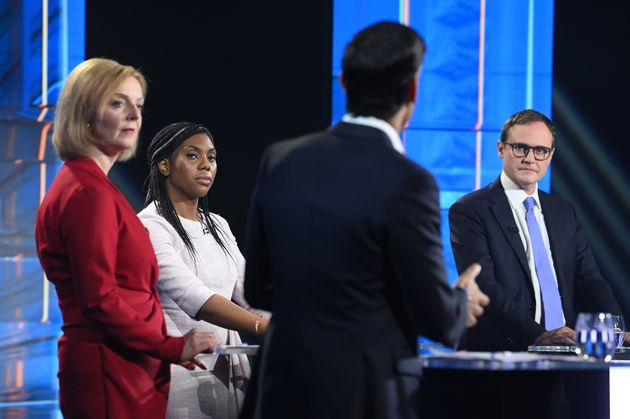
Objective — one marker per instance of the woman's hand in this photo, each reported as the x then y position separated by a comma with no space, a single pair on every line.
192,364
196,341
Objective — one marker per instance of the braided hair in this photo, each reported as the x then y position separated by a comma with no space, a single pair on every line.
161,148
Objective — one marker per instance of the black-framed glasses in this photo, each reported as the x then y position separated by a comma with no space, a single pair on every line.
541,153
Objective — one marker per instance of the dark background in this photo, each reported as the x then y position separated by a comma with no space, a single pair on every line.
252,72
591,111
256,72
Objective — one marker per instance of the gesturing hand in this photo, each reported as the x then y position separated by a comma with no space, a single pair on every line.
477,300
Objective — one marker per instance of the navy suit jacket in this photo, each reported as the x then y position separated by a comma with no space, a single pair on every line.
343,246
483,230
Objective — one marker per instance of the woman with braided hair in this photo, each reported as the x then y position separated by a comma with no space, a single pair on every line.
201,269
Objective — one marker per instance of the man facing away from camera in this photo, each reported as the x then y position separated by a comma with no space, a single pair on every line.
344,248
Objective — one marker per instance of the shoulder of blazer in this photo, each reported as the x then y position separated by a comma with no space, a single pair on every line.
339,130
554,203
490,193
279,151
346,129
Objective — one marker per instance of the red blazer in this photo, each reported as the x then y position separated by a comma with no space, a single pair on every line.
114,352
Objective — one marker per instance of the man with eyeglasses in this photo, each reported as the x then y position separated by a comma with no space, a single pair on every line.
537,267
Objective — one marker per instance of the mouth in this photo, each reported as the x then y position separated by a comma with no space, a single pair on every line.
205,181
527,169
128,130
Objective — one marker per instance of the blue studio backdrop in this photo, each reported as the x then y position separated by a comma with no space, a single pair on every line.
485,60
40,42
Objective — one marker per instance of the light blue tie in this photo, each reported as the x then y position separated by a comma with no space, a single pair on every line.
548,286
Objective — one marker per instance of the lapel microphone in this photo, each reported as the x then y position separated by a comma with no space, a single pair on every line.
512,229
204,228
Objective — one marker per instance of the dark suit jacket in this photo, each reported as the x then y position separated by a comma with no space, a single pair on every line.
344,248
483,230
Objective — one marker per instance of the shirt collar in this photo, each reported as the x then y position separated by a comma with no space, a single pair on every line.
371,121
515,194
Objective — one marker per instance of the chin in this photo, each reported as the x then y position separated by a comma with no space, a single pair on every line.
200,193
127,153
528,178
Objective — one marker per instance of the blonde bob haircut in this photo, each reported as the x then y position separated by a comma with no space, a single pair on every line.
82,99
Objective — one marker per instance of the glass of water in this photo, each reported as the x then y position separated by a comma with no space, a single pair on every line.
595,335
619,328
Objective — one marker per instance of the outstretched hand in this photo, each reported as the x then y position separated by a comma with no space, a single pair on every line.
477,300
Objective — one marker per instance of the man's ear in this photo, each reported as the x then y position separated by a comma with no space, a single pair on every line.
163,167
412,91
500,148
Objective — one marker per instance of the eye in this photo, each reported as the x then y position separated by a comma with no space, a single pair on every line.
540,151
212,158
521,148
140,106
117,103
191,156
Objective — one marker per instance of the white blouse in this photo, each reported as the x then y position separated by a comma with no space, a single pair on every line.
185,283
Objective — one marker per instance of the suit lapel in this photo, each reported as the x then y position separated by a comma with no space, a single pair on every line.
500,207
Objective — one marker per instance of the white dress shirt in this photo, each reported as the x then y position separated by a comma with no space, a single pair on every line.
516,196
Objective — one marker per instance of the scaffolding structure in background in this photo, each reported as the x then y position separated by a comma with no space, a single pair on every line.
40,42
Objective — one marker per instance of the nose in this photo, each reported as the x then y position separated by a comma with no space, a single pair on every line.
204,163
134,113
529,157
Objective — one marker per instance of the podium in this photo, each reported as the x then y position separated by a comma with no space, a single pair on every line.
523,385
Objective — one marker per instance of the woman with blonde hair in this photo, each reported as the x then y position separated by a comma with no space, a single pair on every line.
114,353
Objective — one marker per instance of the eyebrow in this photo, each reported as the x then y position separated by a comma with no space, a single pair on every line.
126,96
530,146
210,150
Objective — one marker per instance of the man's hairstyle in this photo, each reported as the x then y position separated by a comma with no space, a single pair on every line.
379,65
525,117
81,100
161,148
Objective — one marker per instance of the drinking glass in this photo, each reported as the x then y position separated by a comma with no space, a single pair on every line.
594,335
619,328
